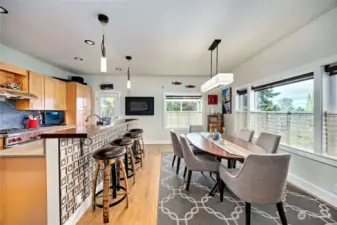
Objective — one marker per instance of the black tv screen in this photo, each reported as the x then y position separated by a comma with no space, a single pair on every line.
139,106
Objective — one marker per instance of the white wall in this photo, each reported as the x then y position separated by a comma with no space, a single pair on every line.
17,58
303,50
153,86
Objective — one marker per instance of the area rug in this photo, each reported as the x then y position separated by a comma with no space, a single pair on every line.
178,207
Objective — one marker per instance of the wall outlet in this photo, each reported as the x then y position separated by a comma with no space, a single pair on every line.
78,199
335,188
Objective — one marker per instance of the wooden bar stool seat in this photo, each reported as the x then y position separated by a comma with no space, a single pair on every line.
110,158
136,148
127,143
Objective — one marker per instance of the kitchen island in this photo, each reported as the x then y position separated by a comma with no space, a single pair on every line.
62,176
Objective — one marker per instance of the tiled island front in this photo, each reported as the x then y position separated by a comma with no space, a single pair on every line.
70,168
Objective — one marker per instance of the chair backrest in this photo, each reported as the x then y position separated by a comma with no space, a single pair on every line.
268,141
176,144
262,178
189,157
246,135
196,128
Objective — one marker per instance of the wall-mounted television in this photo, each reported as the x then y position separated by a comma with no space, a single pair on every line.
139,106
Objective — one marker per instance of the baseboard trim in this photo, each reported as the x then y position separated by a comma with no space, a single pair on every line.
157,142
318,192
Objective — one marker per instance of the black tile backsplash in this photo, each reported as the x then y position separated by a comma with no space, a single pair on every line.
10,117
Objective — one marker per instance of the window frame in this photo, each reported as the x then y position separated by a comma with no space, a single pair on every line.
202,107
320,79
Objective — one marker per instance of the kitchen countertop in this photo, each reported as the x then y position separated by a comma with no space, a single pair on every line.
85,131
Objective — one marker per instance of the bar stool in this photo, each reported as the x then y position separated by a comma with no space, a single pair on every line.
139,130
127,143
109,157
136,148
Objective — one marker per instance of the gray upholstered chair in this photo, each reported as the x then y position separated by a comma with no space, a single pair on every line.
261,180
246,135
196,129
196,163
268,141
177,149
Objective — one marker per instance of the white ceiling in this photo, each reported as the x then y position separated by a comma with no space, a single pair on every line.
164,37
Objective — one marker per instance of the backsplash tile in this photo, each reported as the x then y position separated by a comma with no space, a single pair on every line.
10,117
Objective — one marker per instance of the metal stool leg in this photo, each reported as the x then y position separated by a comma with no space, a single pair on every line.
106,188
94,183
126,184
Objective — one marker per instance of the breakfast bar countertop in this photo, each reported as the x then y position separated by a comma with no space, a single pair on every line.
85,131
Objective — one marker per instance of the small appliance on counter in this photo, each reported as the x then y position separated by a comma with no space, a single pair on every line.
53,118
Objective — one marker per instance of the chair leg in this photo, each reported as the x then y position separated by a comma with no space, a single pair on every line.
143,145
94,183
178,165
133,165
106,187
185,171
248,207
174,159
282,214
189,175
222,188
126,184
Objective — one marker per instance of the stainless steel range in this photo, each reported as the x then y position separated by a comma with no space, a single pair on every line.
16,136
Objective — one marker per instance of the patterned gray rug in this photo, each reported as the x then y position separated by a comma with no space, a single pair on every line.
178,207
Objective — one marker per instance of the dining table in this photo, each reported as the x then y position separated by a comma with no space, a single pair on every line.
227,147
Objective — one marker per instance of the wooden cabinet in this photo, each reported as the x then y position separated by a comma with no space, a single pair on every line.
36,87
215,123
80,95
55,94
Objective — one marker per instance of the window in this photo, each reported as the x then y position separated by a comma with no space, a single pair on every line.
107,104
181,111
330,111
286,107
242,109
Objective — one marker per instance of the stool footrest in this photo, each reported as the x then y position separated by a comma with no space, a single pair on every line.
113,203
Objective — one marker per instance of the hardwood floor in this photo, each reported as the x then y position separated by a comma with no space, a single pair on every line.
143,198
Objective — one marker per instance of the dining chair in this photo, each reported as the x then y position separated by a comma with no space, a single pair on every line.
197,163
177,149
246,135
261,180
196,128
268,141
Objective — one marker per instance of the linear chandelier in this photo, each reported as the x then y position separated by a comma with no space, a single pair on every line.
220,79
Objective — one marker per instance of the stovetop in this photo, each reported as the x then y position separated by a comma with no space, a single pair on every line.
15,130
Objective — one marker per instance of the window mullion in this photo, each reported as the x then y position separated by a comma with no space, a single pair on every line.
318,110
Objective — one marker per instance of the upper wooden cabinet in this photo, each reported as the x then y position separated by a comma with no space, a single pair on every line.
36,87
79,104
12,74
54,94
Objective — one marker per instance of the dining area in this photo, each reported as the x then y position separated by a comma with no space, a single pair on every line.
251,171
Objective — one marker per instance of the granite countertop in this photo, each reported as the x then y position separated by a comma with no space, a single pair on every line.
85,131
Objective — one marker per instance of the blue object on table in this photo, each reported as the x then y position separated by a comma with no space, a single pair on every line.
216,136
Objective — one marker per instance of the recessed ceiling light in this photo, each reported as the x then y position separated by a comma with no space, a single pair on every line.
3,10
78,59
89,42
118,69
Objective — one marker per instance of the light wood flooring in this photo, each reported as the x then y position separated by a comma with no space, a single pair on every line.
143,198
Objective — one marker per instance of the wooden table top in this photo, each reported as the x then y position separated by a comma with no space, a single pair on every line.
211,148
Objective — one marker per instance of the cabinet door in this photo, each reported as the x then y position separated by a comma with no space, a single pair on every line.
79,97
61,95
80,118
36,87
87,98
50,92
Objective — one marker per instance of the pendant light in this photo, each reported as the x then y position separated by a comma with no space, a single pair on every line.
220,79
128,83
104,20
